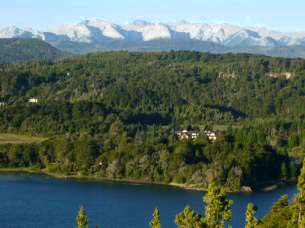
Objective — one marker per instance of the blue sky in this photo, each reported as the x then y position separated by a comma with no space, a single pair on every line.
283,15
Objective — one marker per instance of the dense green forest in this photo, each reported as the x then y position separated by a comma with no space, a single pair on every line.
20,50
114,115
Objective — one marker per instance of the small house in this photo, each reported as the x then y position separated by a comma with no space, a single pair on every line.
186,134
286,75
33,100
211,135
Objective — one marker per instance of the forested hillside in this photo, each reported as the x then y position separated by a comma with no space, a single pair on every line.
114,115
168,45
20,50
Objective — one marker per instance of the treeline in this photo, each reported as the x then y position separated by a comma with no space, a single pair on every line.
242,157
115,114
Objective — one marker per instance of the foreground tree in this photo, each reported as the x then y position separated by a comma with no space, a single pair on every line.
189,219
301,198
155,221
251,221
81,219
279,215
218,207
298,206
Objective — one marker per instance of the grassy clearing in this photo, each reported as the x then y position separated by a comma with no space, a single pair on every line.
19,139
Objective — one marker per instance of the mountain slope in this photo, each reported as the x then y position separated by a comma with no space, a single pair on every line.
141,46
91,31
168,45
99,35
18,50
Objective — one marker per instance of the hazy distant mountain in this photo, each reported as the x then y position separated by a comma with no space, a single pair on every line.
18,50
93,35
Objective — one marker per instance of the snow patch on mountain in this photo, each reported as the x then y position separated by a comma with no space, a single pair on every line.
91,31
150,31
14,32
76,33
107,29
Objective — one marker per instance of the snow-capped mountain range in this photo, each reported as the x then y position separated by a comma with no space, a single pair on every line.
96,31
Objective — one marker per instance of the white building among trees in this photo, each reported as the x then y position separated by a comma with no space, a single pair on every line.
33,100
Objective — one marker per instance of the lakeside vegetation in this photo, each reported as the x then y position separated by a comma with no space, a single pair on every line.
114,116
218,213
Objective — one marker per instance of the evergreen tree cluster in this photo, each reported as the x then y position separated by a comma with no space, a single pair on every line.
114,115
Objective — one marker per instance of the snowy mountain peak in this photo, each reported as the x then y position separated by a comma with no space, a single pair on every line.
77,33
13,31
91,31
106,28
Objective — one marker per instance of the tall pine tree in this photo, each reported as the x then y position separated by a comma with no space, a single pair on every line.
155,221
218,207
189,219
81,219
251,221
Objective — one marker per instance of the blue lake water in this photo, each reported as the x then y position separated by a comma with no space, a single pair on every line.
28,200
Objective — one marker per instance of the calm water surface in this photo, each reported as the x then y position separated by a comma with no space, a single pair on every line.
28,200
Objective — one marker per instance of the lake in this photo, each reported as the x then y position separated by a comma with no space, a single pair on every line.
30,200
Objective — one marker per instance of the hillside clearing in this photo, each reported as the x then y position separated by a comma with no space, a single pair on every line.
19,139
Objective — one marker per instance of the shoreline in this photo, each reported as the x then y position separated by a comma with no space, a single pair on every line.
191,187
97,178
